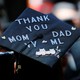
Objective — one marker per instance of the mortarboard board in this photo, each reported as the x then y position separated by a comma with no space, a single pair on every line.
41,37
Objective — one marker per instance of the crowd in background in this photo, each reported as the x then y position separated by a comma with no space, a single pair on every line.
66,10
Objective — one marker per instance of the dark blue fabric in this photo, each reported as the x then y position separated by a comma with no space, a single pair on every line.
41,37
75,51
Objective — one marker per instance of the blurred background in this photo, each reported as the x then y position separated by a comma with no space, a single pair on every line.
65,10
11,9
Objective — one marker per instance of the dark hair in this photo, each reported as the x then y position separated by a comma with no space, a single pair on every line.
2,7
69,22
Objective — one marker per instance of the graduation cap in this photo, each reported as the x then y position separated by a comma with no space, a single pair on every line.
41,37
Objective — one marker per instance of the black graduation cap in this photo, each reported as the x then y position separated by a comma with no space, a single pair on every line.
41,37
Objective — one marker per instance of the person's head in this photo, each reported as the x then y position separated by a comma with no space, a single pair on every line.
65,11
76,20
